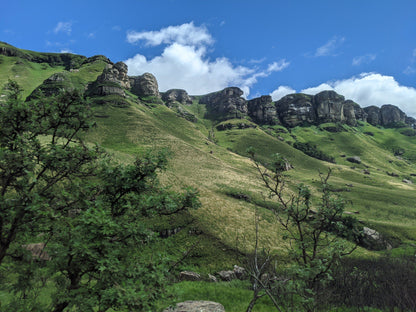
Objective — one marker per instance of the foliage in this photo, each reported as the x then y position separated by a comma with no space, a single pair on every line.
313,249
384,282
89,211
311,150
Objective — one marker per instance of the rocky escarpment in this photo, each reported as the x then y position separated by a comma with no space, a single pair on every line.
226,104
301,109
326,106
387,115
176,95
144,85
262,110
113,80
296,109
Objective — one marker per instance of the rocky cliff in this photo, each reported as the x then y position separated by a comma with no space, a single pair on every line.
113,80
302,109
292,110
144,85
226,104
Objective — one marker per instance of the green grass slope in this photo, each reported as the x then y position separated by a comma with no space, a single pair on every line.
215,161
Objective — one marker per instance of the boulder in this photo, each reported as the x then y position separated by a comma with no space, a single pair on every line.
239,272
391,115
263,110
354,159
227,276
176,95
37,251
373,115
407,181
226,104
189,276
296,109
329,107
196,306
144,85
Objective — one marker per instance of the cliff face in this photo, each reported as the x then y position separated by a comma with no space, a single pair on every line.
226,104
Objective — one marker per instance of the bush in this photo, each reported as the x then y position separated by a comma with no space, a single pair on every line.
384,283
311,150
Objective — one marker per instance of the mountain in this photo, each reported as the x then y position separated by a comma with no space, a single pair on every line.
372,151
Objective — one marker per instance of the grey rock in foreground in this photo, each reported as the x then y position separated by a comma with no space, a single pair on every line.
197,306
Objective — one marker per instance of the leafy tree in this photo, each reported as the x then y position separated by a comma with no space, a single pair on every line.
313,249
41,155
91,213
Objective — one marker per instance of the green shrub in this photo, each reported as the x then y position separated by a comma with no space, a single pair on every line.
311,150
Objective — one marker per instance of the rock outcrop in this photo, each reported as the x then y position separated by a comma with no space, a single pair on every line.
262,110
296,109
176,95
113,80
145,85
391,115
55,84
373,113
348,111
226,104
329,107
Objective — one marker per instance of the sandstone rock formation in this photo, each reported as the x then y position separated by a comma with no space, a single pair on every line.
226,104
176,95
373,113
349,111
113,80
144,85
391,115
296,109
329,107
263,110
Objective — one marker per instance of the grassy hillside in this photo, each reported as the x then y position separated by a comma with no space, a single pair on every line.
215,162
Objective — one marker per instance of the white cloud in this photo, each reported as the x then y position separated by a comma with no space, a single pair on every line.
184,62
363,59
64,27
373,89
281,92
185,34
317,89
277,66
330,48
65,51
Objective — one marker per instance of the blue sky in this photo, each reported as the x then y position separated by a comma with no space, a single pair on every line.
365,50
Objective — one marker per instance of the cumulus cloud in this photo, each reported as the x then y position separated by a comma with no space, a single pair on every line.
281,92
372,89
363,59
63,27
185,64
185,34
330,48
